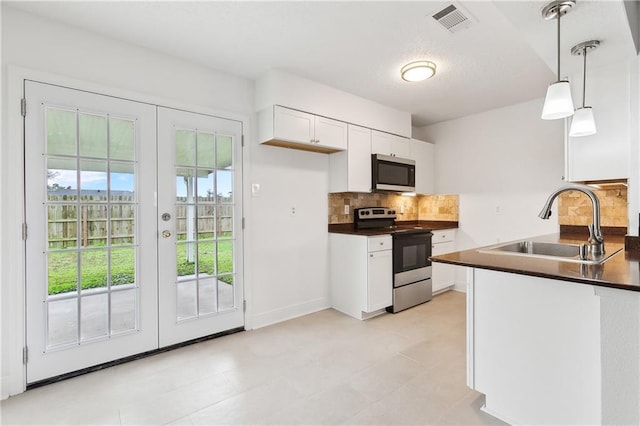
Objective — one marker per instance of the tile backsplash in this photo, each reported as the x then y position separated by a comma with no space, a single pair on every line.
421,207
574,208
438,207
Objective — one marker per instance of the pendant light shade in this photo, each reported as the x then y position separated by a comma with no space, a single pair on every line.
558,102
583,123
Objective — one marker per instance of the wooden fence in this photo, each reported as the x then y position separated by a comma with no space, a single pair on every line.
64,228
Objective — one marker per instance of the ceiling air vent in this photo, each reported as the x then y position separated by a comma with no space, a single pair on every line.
452,18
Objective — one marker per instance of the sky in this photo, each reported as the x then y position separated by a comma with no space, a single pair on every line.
125,182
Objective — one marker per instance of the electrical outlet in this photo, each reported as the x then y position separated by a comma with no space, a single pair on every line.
293,211
346,209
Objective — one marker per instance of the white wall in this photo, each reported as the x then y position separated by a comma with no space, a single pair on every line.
503,164
279,88
288,251
286,272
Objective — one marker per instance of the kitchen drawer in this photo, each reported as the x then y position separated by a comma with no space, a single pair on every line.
443,236
383,242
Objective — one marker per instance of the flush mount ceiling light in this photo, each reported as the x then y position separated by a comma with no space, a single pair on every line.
418,71
558,102
583,123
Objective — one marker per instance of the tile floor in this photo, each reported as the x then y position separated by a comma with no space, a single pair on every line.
323,368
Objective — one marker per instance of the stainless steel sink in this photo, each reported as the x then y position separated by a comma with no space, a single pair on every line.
544,250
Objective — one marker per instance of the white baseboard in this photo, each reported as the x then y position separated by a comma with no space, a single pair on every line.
497,415
443,290
461,287
289,312
4,387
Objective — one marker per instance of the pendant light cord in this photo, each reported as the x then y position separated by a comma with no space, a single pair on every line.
584,76
559,14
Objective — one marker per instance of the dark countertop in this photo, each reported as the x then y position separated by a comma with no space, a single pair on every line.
348,228
621,271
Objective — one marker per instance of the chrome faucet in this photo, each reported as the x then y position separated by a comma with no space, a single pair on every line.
596,241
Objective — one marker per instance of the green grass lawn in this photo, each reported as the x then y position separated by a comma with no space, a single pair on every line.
63,269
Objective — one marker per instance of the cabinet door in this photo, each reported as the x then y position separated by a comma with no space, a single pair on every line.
380,143
422,153
604,155
331,133
400,147
388,144
292,125
379,282
442,275
359,159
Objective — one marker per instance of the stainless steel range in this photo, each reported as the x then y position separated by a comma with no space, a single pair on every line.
411,251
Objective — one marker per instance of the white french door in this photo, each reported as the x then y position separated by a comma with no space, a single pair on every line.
199,203
95,195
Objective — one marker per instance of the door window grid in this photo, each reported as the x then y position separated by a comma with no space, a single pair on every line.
74,314
204,252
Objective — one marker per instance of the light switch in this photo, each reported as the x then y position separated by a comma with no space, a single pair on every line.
255,189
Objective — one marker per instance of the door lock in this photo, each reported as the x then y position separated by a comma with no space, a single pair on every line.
166,234
166,217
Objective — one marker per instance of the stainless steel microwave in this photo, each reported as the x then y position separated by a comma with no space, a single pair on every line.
392,173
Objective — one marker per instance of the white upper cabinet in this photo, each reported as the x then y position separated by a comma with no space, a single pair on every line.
423,154
604,155
291,128
293,125
388,144
331,133
350,170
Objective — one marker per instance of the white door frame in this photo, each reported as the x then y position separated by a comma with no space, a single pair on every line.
12,259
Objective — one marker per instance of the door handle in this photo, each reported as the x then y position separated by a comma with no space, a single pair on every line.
166,233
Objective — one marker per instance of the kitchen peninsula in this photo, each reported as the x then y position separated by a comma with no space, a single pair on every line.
554,341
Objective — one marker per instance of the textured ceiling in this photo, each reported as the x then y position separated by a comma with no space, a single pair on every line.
506,56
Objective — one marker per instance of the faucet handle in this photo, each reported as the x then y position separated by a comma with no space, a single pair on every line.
592,236
583,250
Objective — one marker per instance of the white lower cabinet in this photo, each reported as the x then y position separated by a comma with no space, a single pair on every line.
443,275
361,274
534,349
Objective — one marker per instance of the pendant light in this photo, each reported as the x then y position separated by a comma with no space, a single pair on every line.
558,102
583,123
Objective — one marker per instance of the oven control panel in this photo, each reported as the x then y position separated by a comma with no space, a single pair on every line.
367,213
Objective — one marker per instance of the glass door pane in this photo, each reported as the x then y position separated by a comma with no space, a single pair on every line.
204,246
92,208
